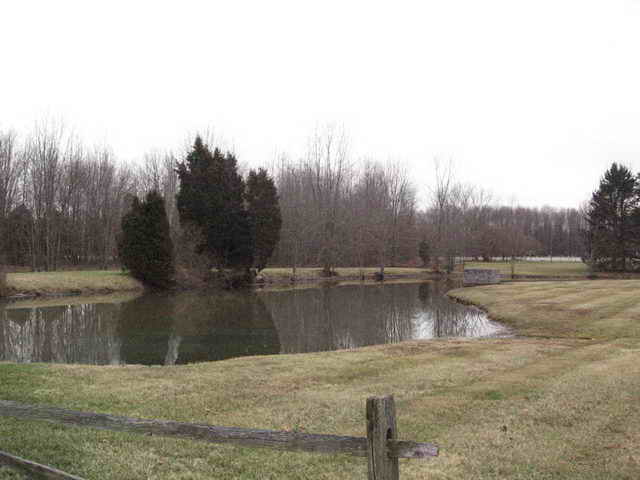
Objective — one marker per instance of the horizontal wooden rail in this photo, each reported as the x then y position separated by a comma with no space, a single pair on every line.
282,440
33,468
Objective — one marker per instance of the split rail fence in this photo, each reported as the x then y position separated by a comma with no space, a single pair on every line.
381,446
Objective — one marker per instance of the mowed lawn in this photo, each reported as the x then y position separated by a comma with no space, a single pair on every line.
537,269
512,408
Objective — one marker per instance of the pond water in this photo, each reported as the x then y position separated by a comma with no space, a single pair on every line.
156,329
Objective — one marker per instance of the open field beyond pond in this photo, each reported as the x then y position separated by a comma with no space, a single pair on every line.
76,281
105,281
536,268
549,405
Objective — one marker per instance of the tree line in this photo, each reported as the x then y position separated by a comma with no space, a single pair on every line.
62,205
337,211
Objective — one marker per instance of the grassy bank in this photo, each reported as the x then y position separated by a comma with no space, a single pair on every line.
599,309
515,408
71,282
106,281
279,275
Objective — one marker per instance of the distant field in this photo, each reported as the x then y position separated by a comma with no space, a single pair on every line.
315,273
537,268
105,281
85,281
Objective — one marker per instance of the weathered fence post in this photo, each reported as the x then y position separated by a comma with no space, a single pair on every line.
381,427
381,447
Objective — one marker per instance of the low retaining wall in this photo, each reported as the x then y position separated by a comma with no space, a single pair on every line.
481,276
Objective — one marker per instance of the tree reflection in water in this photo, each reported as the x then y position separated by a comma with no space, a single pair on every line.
84,333
189,327
196,327
442,317
358,315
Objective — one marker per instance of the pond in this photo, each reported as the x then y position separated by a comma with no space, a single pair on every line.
155,329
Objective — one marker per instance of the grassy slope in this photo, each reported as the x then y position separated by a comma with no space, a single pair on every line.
522,408
601,309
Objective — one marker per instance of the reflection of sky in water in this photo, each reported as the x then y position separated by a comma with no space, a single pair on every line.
471,324
205,326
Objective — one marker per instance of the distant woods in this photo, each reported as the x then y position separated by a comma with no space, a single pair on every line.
62,205
341,212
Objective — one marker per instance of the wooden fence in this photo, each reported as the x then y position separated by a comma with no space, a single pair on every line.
381,446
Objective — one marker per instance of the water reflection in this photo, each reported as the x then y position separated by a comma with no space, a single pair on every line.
61,334
360,315
204,326
440,317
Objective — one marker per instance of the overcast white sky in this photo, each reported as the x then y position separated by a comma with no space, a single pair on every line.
531,99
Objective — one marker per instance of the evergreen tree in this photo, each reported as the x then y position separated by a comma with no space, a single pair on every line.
613,214
145,245
264,214
212,197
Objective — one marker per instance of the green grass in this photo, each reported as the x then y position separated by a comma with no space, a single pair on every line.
11,474
508,408
85,281
539,269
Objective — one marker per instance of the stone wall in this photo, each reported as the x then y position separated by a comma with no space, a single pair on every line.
481,276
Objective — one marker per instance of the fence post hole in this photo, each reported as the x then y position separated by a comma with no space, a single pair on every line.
381,427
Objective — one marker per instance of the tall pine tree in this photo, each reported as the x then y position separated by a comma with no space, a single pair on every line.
264,214
613,218
145,246
212,196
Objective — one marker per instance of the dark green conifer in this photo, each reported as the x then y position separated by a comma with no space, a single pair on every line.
211,197
264,214
145,246
614,235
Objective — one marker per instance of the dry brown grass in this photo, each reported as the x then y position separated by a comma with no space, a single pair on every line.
590,308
